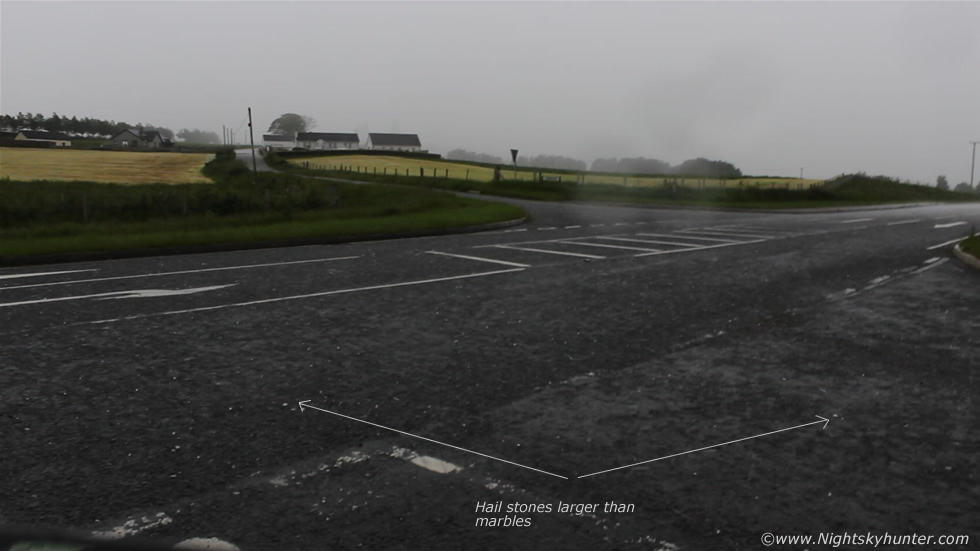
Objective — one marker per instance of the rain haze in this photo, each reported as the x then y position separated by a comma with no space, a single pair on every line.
884,88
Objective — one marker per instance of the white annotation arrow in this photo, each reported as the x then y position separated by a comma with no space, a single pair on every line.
823,420
306,404
136,293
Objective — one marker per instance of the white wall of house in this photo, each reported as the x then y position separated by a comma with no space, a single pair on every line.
323,145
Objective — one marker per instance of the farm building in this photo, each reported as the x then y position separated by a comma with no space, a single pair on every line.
327,140
56,138
394,142
278,141
150,139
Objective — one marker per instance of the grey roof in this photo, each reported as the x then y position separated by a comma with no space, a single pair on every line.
328,137
150,134
397,140
5,134
276,138
44,135
132,131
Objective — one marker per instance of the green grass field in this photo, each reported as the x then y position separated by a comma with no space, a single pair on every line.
972,245
402,166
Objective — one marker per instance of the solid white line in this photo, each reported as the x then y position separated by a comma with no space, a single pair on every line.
823,420
547,251
39,274
704,247
574,242
245,267
856,220
653,241
311,295
481,259
950,225
304,405
903,222
728,233
675,236
944,243
136,293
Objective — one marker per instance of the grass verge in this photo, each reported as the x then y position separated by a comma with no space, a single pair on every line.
46,218
971,245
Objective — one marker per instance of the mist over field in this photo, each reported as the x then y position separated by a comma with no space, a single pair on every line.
885,88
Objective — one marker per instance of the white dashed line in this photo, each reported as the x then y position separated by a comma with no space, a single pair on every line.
565,253
572,227
856,220
607,246
944,243
950,225
903,222
481,259
548,228
654,242
704,247
675,236
40,274
182,272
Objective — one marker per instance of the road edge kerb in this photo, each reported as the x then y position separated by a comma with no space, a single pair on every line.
966,257
251,245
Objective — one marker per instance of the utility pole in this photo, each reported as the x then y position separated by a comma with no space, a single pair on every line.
801,172
224,135
255,170
973,163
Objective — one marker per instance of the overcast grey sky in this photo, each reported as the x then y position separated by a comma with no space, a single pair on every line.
887,88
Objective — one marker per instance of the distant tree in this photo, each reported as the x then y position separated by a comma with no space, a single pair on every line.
963,187
290,124
941,182
705,168
553,161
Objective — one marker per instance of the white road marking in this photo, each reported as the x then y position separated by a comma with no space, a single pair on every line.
181,272
310,295
931,260
597,225
704,247
856,220
572,227
939,262
39,274
675,236
548,228
512,231
621,223
606,245
653,241
903,222
481,259
547,251
950,225
137,293
944,243
880,280
728,233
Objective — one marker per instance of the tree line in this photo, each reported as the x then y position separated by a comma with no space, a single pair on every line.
700,167
88,127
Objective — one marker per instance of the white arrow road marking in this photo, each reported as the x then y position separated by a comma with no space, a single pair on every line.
137,293
823,420
39,274
950,225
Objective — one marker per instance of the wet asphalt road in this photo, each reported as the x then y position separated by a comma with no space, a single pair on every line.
159,396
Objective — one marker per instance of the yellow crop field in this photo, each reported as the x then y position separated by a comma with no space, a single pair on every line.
114,167
405,165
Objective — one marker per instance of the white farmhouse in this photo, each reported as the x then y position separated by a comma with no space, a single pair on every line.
327,140
394,142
